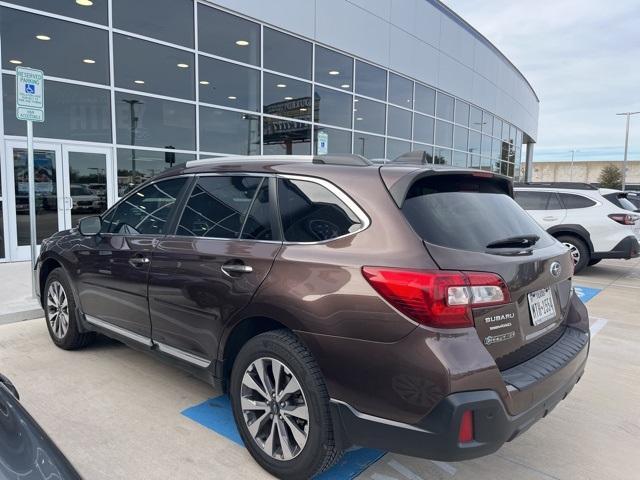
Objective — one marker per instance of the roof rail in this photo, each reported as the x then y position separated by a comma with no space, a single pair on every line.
569,185
346,159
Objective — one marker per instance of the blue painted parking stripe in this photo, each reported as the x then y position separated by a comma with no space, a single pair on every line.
586,293
215,414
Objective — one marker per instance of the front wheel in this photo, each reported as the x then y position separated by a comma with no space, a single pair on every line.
578,250
281,406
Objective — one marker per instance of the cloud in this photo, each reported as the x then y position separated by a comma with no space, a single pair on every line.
582,57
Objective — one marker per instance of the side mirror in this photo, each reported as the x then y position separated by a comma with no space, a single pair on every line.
90,226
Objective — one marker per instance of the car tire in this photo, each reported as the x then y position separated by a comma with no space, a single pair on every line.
594,261
262,423
61,313
579,251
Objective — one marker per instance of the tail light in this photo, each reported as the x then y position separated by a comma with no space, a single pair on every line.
624,218
465,434
437,298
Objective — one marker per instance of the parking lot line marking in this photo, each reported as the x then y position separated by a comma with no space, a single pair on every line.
402,470
216,414
597,326
586,293
448,468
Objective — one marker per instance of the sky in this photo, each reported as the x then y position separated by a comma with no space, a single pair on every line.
582,58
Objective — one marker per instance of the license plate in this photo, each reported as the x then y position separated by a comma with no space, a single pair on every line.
541,306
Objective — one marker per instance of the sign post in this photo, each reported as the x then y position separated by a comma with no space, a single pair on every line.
30,108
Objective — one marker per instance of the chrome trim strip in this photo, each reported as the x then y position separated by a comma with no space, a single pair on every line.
182,355
119,330
384,421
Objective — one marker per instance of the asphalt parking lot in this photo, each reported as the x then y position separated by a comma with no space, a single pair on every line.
118,413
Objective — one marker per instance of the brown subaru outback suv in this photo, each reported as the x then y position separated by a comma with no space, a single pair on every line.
412,308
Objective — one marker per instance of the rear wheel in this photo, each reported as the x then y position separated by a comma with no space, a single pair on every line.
281,406
579,251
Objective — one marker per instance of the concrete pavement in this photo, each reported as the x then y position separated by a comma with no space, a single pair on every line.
16,300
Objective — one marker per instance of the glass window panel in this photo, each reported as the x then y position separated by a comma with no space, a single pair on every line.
475,139
286,137
400,91
88,179
460,138
287,54
504,150
137,166
474,161
510,169
399,123
369,146
497,128
428,149
311,213
338,141
505,132
71,51
485,150
475,118
217,206
154,122
423,127
333,68
496,148
487,123
444,106
226,35
504,168
332,107
518,139
369,115
512,135
224,131
442,156
149,67
485,163
74,112
286,97
228,84
168,20
395,148
97,12
462,113
146,212
459,159
371,81
425,99
444,133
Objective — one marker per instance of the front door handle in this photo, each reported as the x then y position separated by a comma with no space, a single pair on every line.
231,269
550,219
139,261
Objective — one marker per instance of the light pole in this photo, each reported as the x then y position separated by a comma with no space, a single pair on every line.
626,148
573,154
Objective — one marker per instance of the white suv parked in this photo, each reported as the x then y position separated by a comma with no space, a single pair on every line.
577,215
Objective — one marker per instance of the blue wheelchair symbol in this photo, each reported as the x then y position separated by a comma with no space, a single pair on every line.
30,88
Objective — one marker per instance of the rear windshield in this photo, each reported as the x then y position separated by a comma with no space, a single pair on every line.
467,214
619,200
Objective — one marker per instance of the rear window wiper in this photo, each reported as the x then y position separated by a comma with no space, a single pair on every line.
520,241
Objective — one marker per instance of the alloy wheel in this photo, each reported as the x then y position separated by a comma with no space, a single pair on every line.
575,253
274,408
58,309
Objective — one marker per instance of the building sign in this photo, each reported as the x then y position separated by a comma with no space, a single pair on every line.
323,143
29,94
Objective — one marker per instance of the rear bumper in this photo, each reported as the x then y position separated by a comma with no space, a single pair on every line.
436,436
627,248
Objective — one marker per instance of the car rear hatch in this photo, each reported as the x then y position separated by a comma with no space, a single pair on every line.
469,222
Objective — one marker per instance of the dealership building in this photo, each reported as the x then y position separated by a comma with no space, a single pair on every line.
135,87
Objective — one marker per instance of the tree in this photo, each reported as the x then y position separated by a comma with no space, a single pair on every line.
610,177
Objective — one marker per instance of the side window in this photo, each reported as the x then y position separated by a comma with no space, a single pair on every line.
537,200
146,211
311,213
218,206
257,224
575,201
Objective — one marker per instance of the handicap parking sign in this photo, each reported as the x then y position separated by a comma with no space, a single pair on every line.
29,88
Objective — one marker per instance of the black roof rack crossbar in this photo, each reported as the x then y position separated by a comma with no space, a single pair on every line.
346,159
571,185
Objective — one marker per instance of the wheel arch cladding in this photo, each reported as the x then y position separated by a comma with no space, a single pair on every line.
572,230
48,266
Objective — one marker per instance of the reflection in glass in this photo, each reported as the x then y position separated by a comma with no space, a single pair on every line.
462,113
332,107
153,122
496,148
368,115
444,133
62,55
137,166
97,13
228,36
428,149
224,131
337,141
168,20
228,84
371,81
88,184
487,123
287,54
74,112
444,106
475,139
485,149
461,136
286,137
442,156
286,97
425,99
497,128
459,159
46,195
400,91
333,68
475,118
369,146
395,148
149,67
399,123
423,127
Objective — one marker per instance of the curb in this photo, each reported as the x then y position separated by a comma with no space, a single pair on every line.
21,315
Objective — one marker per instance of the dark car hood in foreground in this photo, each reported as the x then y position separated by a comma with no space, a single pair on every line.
26,451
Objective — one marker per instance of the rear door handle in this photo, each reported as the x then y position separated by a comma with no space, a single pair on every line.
230,269
139,261
549,219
